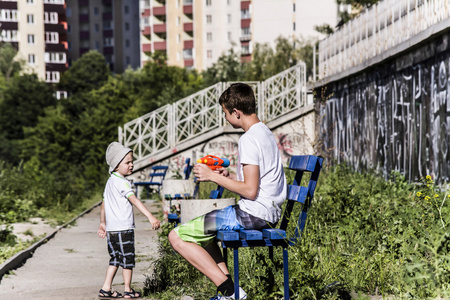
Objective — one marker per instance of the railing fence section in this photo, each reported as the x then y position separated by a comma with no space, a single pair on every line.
380,28
199,113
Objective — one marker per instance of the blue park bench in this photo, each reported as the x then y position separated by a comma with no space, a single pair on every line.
156,177
277,236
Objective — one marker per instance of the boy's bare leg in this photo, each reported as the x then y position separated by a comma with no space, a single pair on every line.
127,275
110,273
199,258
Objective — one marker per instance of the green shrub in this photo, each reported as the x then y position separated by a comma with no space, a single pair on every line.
364,235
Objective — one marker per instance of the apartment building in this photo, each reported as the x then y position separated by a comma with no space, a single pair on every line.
195,33
37,29
110,27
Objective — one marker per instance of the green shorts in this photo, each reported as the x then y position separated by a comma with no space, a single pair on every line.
203,229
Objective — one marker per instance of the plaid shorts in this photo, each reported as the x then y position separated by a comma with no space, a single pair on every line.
121,248
203,229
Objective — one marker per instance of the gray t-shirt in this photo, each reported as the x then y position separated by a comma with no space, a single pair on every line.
258,146
118,209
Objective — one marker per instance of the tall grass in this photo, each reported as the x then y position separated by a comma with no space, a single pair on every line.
364,236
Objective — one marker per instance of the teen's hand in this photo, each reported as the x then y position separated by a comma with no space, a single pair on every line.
202,172
155,222
102,231
223,171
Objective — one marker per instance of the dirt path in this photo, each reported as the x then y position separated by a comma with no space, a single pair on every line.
72,265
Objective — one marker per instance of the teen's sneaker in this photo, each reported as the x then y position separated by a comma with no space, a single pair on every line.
242,295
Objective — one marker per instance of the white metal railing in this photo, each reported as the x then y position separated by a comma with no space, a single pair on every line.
380,28
199,113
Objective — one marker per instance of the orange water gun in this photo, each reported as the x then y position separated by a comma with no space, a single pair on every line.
214,162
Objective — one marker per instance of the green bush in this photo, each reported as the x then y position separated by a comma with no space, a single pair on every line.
365,235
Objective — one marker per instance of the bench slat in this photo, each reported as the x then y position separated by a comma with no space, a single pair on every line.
274,234
251,234
228,235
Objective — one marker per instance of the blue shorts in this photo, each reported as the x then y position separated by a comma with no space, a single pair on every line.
121,248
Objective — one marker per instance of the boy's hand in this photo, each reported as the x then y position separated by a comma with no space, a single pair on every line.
202,172
102,231
155,222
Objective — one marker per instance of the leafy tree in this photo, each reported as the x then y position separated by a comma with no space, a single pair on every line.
24,100
9,64
227,68
87,73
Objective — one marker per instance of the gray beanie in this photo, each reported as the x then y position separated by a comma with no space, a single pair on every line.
114,155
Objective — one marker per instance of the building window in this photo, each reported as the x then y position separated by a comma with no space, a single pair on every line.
96,11
8,35
127,43
127,60
208,19
97,45
229,36
293,26
31,59
30,19
178,38
30,1
108,42
209,54
229,18
293,8
55,57
8,15
51,17
30,39
208,2
245,49
96,27
68,12
126,9
209,37
51,37
127,26
245,14
52,76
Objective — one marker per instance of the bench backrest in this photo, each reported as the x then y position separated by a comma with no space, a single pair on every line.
158,172
301,194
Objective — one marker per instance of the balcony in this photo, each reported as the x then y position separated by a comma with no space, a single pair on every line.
84,35
160,30
188,44
8,5
245,4
188,10
146,13
188,28
108,50
160,46
245,23
84,18
107,16
83,50
163,2
108,33
146,48
245,37
83,2
188,62
147,32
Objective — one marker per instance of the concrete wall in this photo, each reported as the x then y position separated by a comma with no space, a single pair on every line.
394,116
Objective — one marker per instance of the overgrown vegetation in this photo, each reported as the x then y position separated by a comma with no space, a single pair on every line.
364,236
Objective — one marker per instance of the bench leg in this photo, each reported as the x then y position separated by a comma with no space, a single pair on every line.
286,273
236,273
225,256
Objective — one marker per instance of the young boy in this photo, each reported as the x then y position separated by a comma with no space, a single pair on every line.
260,181
117,220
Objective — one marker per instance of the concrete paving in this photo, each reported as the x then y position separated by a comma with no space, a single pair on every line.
72,265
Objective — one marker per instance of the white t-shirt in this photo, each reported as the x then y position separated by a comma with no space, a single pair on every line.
118,209
257,146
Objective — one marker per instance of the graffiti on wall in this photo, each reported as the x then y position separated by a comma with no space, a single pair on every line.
392,119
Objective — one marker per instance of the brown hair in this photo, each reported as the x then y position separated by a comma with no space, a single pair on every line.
239,96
